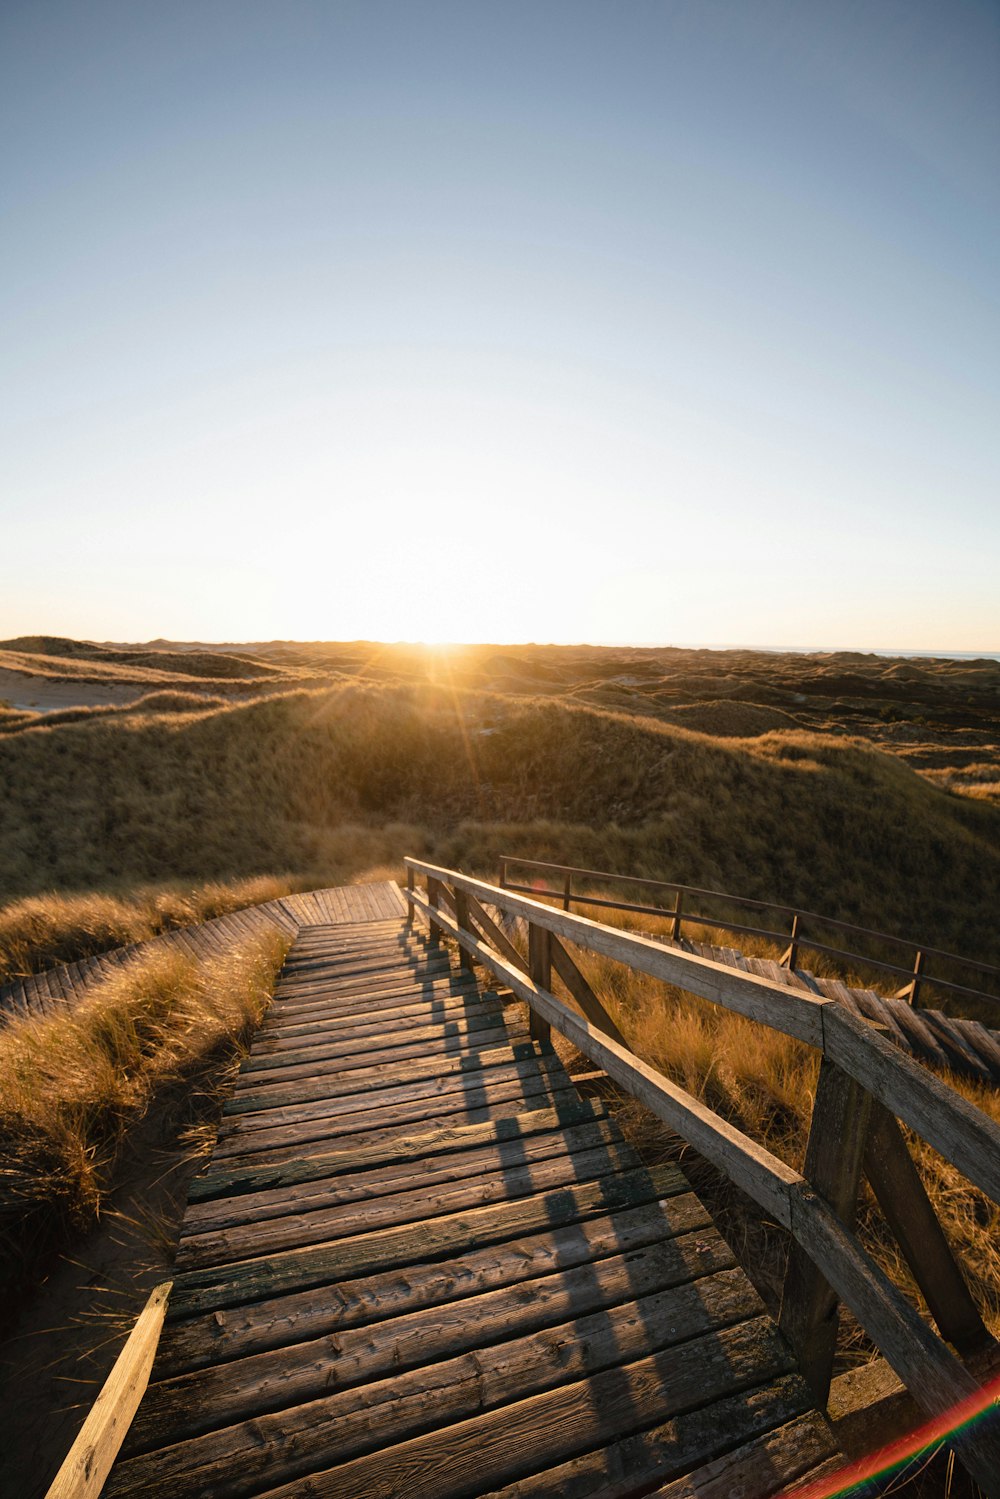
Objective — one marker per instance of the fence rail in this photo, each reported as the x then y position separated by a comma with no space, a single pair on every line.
865,1087
915,973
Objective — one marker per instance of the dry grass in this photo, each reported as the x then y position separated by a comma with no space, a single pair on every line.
327,783
73,1086
43,930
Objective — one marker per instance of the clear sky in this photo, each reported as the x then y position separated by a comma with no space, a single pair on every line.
501,319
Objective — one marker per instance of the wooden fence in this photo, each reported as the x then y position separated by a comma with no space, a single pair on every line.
792,938
866,1087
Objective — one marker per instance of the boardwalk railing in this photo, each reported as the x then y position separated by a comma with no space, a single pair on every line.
866,1086
686,900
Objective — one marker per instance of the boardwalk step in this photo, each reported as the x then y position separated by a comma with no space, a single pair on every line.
419,1262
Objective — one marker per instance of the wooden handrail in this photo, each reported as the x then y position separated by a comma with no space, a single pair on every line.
915,974
92,1455
891,1083
934,1111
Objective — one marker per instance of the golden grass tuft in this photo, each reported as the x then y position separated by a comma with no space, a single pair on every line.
42,930
72,1086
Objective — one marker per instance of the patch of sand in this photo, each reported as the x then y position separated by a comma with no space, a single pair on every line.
45,694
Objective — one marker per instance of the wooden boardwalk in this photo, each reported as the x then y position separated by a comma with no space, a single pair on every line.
420,1264
63,986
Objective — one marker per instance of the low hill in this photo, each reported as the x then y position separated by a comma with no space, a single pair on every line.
334,780
56,651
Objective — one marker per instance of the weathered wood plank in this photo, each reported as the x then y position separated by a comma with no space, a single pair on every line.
323,1225
177,1409
316,1192
421,1005
390,1049
340,1159
756,1469
252,1136
494,1259
209,1290
621,1469
460,1021
289,1446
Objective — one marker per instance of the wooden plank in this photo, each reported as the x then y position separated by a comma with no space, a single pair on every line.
277,1096
373,1125
92,1455
834,1150
398,1043
447,1009
459,1019
525,1088
426,1000
540,969
327,973
287,1447
175,1410
383,1052
495,1259
267,1237
621,1469
369,1253
309,1192
800,1449
336,968
219,1182
502,1443
307,998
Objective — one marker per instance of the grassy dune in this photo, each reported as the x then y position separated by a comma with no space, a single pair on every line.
74,1087
327,783
42,930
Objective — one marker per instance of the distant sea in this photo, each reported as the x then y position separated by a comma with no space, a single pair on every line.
814,650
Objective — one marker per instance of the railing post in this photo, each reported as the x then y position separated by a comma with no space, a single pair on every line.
834,1153
792,955
462,917
908,1210
411,910
567,887
540,972
918,968
675,930
503,873
433,897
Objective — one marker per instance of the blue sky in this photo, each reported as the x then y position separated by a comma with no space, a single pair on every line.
655,322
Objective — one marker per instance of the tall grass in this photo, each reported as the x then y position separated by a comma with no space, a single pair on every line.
74,1087
42,930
